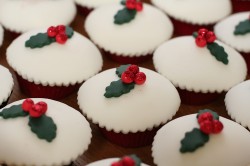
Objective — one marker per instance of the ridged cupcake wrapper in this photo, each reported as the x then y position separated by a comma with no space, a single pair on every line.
131,140
39,91
127,59
246,56
83,10
240,5
197,98
183,28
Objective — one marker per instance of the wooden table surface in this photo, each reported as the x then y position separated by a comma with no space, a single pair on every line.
100,148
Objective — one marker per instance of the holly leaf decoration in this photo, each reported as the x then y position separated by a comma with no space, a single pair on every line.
218,52
215,115
124,16
44,127
242,28
42,39
136,159
13,112
123,2
118,88
193,140
121,69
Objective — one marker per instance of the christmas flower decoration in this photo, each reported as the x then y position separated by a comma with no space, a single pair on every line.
131,160
243,27
207,38
42,125
130,75
59,34
128,13
209,124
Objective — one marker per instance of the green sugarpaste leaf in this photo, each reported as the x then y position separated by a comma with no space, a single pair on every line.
124,16
242,28
69,32
121,69
218,52
123,2
13,112
44,127
39,40
215,115
118,88
195,34
136,159
193,140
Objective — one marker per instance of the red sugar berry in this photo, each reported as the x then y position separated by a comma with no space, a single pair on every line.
206,127
210,37
52,31
61,38
27,105
205,116
36,111
140,78
128,161
131,4
202,32
217,126
127,77
61,28
43,106
200,41
139,6
133,68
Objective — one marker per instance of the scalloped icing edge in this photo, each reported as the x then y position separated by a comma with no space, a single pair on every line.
10,90
1,35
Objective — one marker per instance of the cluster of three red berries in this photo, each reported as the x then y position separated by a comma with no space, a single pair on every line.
204,37
133,4
58,32
208,124
34,110
132,74
125,161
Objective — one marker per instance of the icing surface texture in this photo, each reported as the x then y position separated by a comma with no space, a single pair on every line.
224,31
144,107
194,68
237,103
34,14
55,64
229,148
95,3
22,147
6,82
141,36
1,35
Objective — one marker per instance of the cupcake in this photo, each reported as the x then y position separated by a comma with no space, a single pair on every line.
25,15
86,6
240,5
130,160
128,33
189,16
235,31
54,62
41,131
200,67
6,87
1,35
206,140
131,107
237,104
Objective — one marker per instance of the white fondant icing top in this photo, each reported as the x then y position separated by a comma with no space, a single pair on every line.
6,82
228,148
196,11
108,162
1,35
224,31
95,3
20,146
24,15
237,103
55,64
148,105
141,36
194,68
